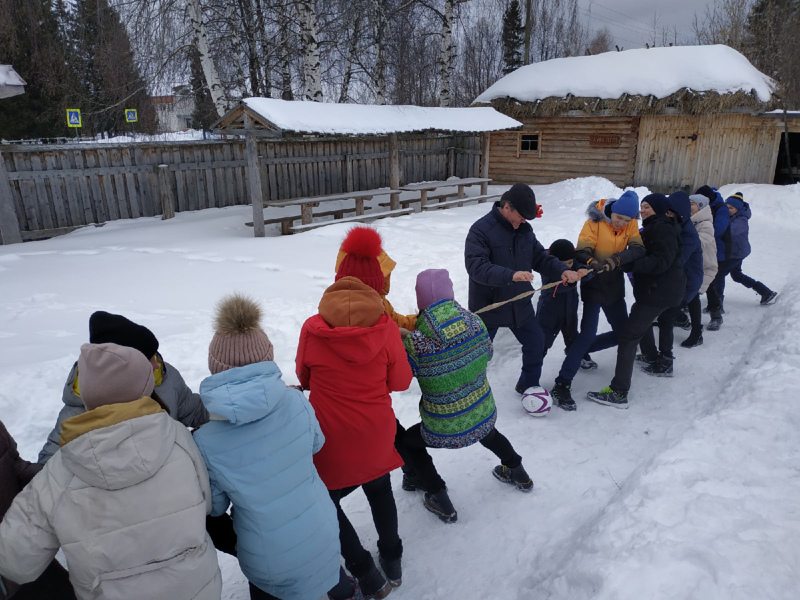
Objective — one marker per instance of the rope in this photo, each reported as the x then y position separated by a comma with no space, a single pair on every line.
518,297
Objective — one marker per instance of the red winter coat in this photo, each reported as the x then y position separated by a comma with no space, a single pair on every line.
351,356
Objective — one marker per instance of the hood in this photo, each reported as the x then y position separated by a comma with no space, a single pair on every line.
357,345
597,212
702,215
745,213
243,394
681,205
454,330
350,303
116,446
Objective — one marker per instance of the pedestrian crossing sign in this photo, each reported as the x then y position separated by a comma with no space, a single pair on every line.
131,116
73,117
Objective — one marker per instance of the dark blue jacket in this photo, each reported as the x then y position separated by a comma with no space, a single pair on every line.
557,308
740,234
493,252
722,220
692,257
658,277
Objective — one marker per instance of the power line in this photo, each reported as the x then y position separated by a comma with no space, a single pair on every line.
628,26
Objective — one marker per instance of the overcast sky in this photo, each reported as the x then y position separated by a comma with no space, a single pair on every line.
630,21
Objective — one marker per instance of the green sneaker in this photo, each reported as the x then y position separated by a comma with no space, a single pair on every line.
609,397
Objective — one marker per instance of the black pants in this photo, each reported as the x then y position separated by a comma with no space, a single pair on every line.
666,336
639,321
384,515
716,291
52,584
341,591
696,312
413,449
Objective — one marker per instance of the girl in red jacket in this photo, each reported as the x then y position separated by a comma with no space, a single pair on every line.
351,357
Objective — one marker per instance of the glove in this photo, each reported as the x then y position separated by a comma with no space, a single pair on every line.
598,266
612,262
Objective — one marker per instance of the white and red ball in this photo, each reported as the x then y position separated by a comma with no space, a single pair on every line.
536,401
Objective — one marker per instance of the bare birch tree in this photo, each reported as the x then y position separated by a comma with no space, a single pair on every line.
310,43
206,60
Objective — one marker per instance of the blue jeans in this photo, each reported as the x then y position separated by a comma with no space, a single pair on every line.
531,336
588,340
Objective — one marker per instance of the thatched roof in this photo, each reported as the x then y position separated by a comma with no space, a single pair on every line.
688,80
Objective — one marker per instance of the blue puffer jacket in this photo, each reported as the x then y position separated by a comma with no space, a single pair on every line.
493,252
680,204
740,234
259,458
722,220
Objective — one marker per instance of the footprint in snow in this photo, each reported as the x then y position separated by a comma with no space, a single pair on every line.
80,252
56,333
270,267
212,259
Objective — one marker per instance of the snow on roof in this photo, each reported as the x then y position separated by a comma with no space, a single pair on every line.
656,71
364,119
11,84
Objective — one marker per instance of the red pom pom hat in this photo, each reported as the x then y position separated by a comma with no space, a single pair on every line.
363,246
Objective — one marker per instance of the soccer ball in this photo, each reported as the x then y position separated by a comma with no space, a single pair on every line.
536,401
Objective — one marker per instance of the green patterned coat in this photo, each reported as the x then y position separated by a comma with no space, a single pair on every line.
448,354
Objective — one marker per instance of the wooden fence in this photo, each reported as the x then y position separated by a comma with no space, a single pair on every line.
49,190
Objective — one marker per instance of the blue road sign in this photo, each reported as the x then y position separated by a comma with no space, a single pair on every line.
73,117
131,116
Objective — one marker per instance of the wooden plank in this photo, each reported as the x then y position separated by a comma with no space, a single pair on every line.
104,182
194,181
331,197
42,197
134,195
460,202
272,190
394,171
147,190
9,223
89,214
209,180
485,145
240,176
27,191
56,192
356,219
229,198
181,199
165,193
118,182
71,190
43,234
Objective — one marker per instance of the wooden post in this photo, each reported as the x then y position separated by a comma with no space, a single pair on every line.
485,139
165,192
9,224
360,205
348,161
789,171
423,199
306,212
254,179
460,195
451,161
394,171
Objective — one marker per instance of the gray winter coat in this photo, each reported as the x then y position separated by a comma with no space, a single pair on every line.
184,405
126,500
704,223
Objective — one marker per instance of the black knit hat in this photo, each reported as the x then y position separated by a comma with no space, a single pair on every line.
562,249
707,192
522,198
105,328
658,202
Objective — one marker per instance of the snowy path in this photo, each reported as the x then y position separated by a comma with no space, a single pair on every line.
691,493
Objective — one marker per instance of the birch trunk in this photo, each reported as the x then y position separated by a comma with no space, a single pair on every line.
351,55
266,80
380,52
311,64
207,63
249,24
446,55
526,59
286,73
236,47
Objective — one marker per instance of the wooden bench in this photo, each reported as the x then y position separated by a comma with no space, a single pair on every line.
427,186
461,201
308,204
288,221
355,219
409,201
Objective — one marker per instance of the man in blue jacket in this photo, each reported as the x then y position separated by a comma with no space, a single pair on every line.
500,252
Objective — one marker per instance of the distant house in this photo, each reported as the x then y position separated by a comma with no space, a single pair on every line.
666,118
174,111
11,84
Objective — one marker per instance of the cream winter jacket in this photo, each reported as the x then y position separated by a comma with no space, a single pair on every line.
703,221
126,498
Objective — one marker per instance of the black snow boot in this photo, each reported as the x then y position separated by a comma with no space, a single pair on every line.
642,359
661,368
715,323
517,477
391,563
587,364
440,505
562,397
412,482
695,338
768,297
683,321
372,582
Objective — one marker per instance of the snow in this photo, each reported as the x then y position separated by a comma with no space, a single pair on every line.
365,119
11,84
172,136
658,71
689,494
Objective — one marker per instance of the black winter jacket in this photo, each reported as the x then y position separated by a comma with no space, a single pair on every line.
658,277
493,252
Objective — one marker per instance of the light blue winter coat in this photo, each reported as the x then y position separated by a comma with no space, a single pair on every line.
260,459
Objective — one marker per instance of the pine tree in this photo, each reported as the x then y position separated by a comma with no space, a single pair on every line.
512,38
32,42
105,64
205,113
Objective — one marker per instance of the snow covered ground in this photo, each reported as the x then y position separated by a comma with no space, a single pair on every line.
691,493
